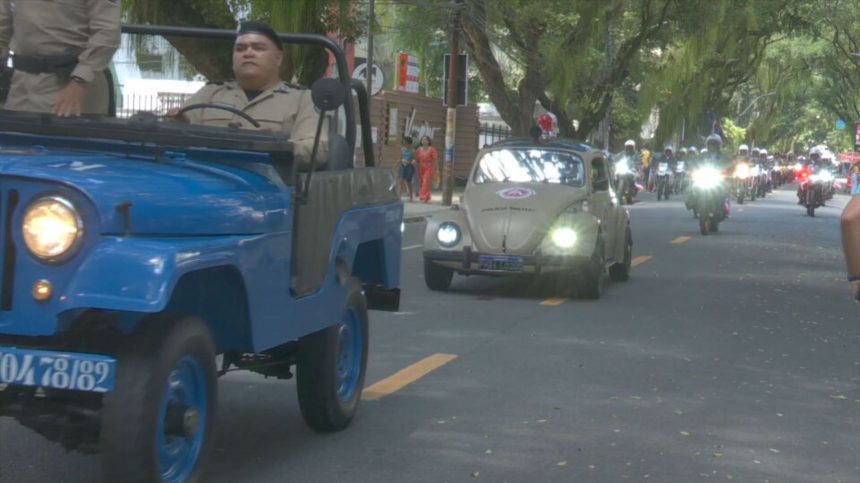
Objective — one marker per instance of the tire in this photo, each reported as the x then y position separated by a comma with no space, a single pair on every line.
714,225
591,281
436,277
810,201
704,225
158,422
332,365
620,272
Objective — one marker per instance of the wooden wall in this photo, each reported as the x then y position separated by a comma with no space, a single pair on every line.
429,115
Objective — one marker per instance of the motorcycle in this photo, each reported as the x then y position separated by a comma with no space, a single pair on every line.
743,183
812,194
664,181
680,184
625,180
707,199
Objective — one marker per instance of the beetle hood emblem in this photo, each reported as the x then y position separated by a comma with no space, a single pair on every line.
516,193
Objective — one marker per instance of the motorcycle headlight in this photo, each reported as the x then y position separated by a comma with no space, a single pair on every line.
51,228
707,177
563,237
742,171
448,234
621,167
826,176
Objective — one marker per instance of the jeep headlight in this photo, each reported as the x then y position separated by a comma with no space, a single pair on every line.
448,234
51,227
563,237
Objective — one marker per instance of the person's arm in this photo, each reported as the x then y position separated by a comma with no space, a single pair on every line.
105,28
104,17
305,129
851,237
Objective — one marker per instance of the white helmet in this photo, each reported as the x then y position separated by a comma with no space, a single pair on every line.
683,150
693,150
744,147
714,138
668,148
762,152
630,143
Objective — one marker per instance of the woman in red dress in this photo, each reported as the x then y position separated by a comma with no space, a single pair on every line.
426,155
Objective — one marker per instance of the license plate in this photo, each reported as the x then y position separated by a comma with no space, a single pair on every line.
500,263
57,370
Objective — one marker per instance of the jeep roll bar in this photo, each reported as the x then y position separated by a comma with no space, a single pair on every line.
290,38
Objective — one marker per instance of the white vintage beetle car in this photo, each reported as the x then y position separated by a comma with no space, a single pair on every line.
534,208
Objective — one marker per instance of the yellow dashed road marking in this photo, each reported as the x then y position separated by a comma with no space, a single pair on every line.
553,302
681,239
406,376
640,260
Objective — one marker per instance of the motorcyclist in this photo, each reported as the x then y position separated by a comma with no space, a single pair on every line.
668,157
810,166
625,166
712,156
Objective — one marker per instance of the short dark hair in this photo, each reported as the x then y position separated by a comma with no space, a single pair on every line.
429,139
407,139
251,27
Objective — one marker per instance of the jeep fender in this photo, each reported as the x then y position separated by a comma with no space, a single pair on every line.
139,274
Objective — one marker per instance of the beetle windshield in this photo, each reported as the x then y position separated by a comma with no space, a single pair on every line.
530,165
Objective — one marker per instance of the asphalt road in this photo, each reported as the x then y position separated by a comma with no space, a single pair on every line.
728,357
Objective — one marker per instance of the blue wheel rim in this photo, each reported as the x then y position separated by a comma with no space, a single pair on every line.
350,349
177,455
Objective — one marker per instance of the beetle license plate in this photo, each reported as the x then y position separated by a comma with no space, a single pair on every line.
500,263
57,370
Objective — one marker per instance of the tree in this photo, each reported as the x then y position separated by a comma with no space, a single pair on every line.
560,50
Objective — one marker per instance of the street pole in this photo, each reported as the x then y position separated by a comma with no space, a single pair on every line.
369,61
451,118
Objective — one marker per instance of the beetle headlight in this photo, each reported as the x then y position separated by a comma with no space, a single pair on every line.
563,237
51,227
448,234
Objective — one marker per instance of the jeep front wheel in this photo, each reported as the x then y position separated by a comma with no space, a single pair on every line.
157,422
332,365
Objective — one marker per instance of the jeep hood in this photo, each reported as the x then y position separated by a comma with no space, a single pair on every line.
174,197
514,217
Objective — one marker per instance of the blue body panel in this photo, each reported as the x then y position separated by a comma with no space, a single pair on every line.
187,213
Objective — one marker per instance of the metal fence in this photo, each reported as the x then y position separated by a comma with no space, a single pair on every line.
158,104
490,134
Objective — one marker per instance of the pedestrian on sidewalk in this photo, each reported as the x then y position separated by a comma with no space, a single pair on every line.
407,167
426,155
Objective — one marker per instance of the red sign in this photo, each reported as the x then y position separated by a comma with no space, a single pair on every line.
407,73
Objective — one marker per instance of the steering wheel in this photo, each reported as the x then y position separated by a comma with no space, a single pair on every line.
223,107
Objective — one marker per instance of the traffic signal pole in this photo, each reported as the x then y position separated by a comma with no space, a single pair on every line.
451,118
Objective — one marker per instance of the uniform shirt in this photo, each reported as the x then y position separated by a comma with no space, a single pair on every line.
280,109
50,27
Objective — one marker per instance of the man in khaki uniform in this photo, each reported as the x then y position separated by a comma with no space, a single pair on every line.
61,49
259,92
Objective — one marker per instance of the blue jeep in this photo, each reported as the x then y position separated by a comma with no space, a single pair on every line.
142,259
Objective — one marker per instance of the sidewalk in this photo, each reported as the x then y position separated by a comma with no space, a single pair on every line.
416,211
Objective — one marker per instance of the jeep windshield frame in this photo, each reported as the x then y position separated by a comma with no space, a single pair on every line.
146,128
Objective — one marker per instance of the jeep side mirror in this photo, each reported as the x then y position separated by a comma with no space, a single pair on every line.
327,95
